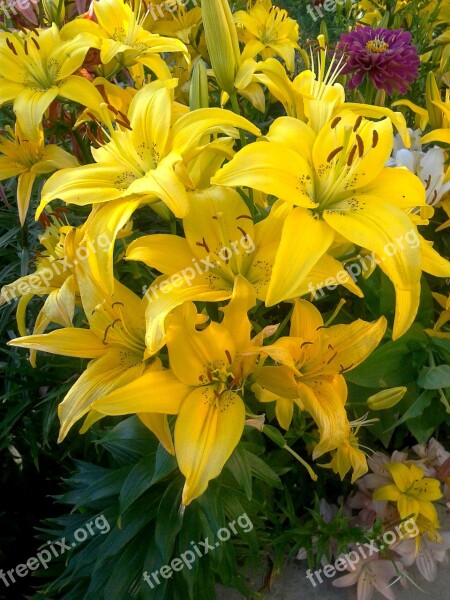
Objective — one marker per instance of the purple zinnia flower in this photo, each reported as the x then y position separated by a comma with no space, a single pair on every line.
386,56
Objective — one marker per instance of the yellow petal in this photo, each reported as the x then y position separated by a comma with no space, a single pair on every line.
81,90
401,475
159,425
153,392
322,400
206,432
102,227
306,321
24,187
190,128
354,342
432,261
111,371
71,341
387,492
272,168
408,507
400,186
169,294
89,184
167,253
378,226
29,106
316,238
194,355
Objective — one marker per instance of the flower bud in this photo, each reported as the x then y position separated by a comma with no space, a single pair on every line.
432,95
221,41
198,90
386,398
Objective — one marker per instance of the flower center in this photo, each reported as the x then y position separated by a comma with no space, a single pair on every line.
376,46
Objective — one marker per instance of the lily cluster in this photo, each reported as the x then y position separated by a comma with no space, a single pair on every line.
135,103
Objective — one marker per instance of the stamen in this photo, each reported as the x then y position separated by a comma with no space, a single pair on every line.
352,155
360,145
203,244
335,122
375,138
334,153
357,123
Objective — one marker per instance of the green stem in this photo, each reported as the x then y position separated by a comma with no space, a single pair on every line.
237,110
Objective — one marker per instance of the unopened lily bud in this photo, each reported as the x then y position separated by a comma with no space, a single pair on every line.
221,41
386,398
55,11
198,91
257,421
432,95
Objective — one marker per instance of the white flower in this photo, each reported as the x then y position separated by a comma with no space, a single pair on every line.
429,166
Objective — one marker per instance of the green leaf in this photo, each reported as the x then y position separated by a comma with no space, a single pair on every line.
239,467
416,409
433,378
169,519
164,465
137,482
394,363
262,471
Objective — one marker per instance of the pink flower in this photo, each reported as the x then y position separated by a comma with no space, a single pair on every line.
430,554
372,574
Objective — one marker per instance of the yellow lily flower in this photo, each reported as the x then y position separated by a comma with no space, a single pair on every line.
116,342
210,367
221,243
28,159
337,180
309,369
443,319
412,492
267,30
53,277
349,456
315,97
121,37
141,160
36,67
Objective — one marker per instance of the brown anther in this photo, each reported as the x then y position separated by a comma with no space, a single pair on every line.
335,122
428,182
228,355
119,303
357,123
334,153
375,138
126,125
11,46
35,42
244,233
305,344
351,156
244,217
334,356
209,374
360,145
25,47
203,244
